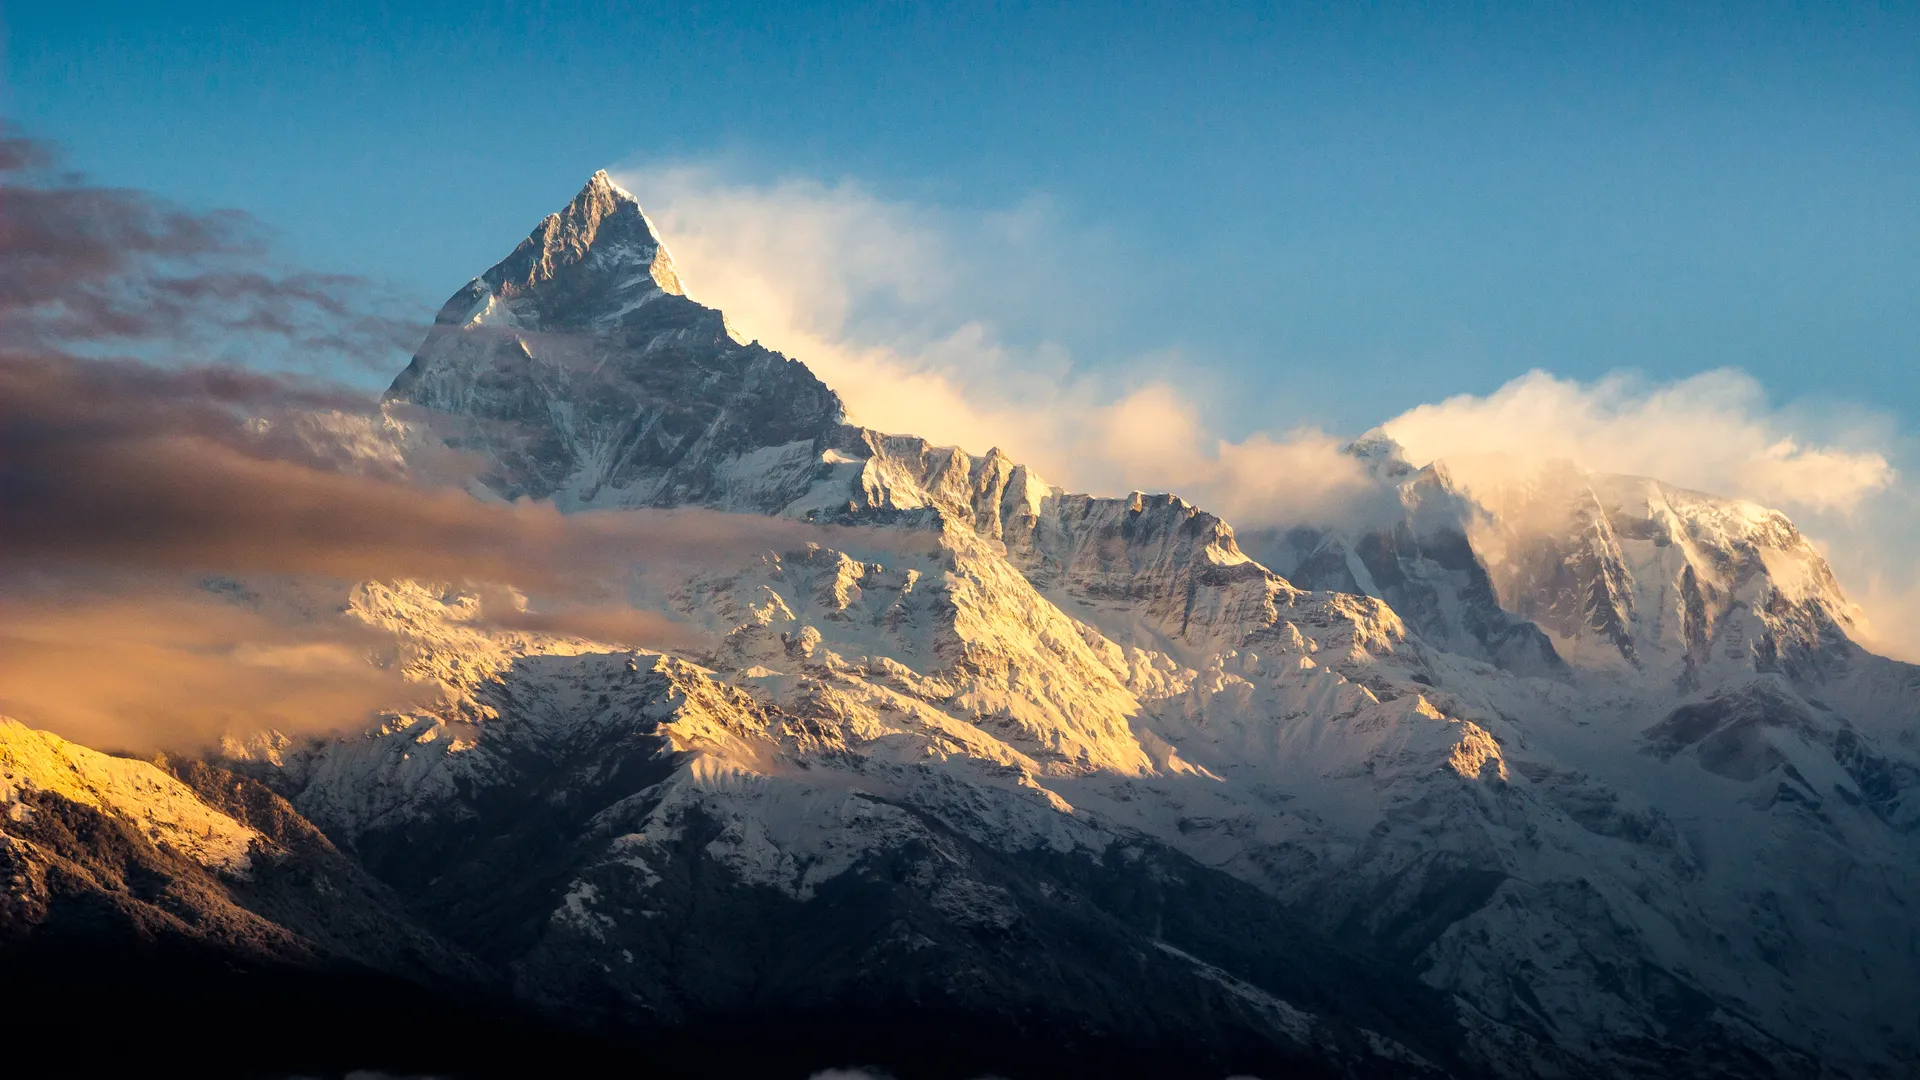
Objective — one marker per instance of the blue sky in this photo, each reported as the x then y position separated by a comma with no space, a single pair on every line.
1350,211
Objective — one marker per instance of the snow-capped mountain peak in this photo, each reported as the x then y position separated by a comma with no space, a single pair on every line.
1380,453
591,263
1486,783
604,225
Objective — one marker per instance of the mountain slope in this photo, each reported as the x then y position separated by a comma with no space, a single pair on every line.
1582,776
648,848
143,903
1440,758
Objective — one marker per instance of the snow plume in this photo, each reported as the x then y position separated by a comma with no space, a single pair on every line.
1832,472
1713,432
882,298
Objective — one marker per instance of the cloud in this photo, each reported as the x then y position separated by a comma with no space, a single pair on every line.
1831,469
141,667
88,268
1890,598
883,300
122,464
870,294
1713,432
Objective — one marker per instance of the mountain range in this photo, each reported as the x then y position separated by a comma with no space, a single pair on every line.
1568,775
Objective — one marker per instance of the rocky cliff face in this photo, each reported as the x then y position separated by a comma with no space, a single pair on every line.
582,374
1583,778
1679,585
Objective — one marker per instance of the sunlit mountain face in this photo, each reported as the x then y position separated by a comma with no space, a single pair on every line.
648,714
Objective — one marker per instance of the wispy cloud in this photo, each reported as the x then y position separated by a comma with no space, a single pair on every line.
884,300
91,269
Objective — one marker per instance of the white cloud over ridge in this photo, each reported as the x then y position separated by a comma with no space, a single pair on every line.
883,300
1712,432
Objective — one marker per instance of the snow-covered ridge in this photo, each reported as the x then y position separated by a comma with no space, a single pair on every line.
165,810
1587,756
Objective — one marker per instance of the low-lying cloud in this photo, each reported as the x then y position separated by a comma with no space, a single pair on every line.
125,465
124,483
141,666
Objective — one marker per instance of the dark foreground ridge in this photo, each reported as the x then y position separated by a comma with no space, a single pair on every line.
133,1013
129,954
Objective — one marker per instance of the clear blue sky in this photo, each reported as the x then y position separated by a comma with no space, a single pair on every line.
1360,209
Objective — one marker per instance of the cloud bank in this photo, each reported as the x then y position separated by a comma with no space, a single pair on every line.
1831,469
139,666
881,298
124,484
1713,432
125,465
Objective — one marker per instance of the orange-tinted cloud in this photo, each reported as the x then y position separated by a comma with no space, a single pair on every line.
169,470
145,667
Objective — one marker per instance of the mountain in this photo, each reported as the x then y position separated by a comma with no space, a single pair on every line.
1421,558
1565,775
587,377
